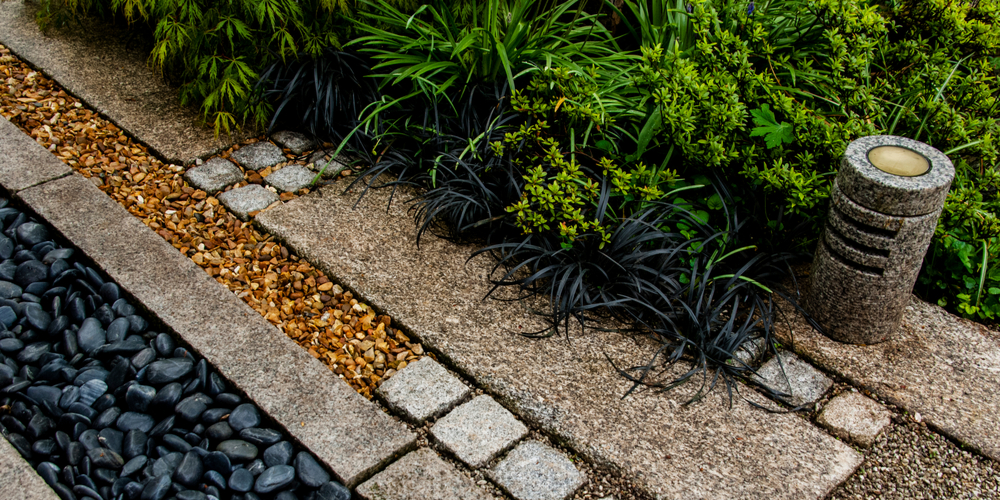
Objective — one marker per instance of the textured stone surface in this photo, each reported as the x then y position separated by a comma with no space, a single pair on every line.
568,389
258,155
317,408
250,198
18,479
937,366
793,376
319,158
106,67
854,417
534,471
214,175
290,178
478,431
423,390
294,141
421,475
23,162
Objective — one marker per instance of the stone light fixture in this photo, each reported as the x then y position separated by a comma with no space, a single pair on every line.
884,206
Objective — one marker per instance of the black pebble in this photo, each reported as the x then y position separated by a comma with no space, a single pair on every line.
43,447
309,470
40,426
134,444
134,465
241,480
176,443
105,315
109,292
156,489
260,436
143,357
164,344
163,427
138,397
244,416
49,472
20,444
117,330
112,439
190,470
279,453
107,417
29,272
332,491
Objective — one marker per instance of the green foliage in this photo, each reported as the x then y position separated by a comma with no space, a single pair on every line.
767,125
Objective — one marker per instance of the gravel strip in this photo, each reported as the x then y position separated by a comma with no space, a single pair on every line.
349,337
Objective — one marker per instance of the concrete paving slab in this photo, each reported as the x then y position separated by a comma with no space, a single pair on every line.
855,417
302,395
290,178
941,366
567,388
422,390
250,198
24,162
295,142
421,475
214,175
258,155
534,471
790,375
106,67
18,479
478,431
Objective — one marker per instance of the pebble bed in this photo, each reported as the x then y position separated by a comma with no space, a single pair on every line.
104,408
359,345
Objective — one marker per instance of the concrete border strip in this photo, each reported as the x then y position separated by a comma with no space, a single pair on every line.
18,479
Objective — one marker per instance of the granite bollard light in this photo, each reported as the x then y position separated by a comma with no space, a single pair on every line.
884,206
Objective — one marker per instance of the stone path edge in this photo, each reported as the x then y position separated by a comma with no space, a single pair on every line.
298,392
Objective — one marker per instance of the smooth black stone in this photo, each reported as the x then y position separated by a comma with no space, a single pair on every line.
78,431
117,330
84,492
70,395
30,234
93,373
106,476
90,439
167,464
9,346
163,427
76,310
215,385
56,269
244,416
143,357
16,387
193,438
105,315
164,344
156,489
33,352
57,325
43,447
91,392
128,346
69,420
112,439
279,453
332,491
24,255
256,467
219,431
134,465
63,440
191,385
82,409
131,420
309,471
64,492
259,436
104,402
190,469
191,407
168,370
7,269
49,472
191,495
139,396
38,318
84,479
241,480
119,486
69,345
238,450
218,462
28,299
93,277
59,253
19,218
20,444
273,479
105,458
51,408
166,398
136,323
109,292
6,375
91,335
6,247
9,290
286,495
38,288
176,443
29,272
75,453
122,308
134,444
121,372
133,490
250,496
109,417
39,426
68,475
7,316
201,373
181,352
213,478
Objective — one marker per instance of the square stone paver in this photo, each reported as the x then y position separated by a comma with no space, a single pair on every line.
294,141
290,178
319,158
807,383
478,431
214,175
421,475
258,155
535,471
241,201
423,390
854,417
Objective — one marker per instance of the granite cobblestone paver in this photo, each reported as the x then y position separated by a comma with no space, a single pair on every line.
421,475
423,390
534,471
258,155
789,374
250,198
290,178
295,142
854,417
477,431
214,175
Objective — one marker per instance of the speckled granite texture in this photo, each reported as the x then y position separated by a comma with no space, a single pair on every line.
878,230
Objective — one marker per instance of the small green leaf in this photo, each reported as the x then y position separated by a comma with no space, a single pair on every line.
715,202
767,125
